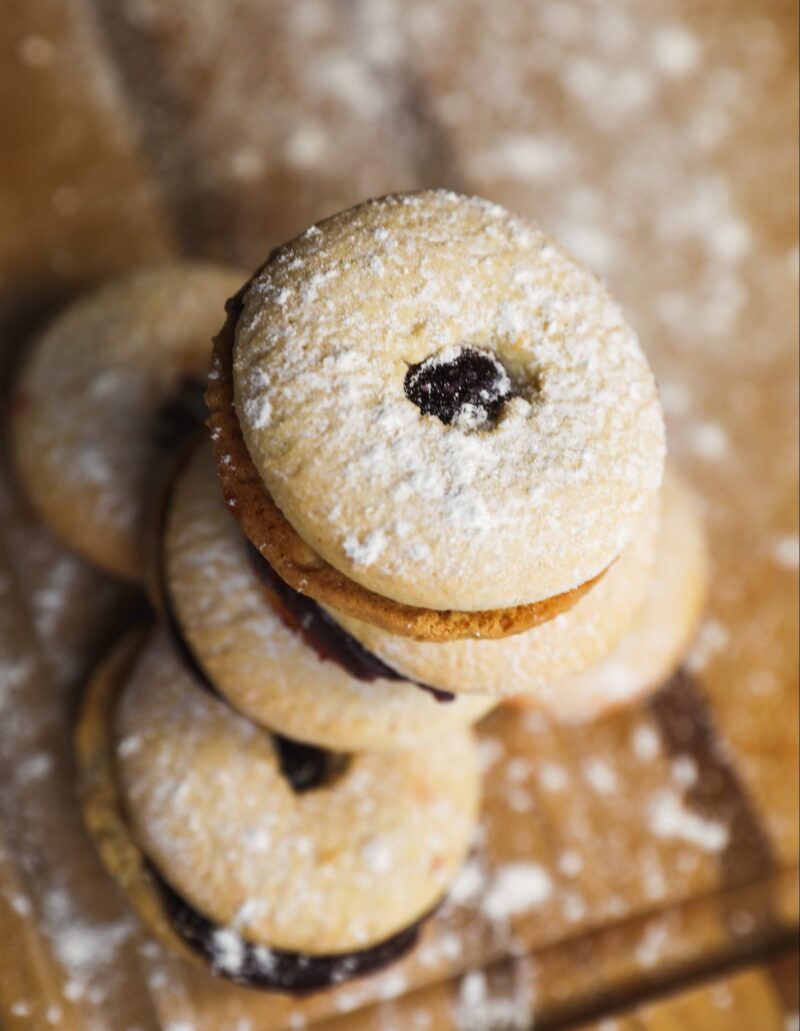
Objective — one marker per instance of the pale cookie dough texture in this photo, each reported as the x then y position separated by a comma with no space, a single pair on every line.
84,423
263,667
333,869
478,513
652,649
531,662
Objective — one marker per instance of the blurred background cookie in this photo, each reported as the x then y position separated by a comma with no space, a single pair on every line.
109,390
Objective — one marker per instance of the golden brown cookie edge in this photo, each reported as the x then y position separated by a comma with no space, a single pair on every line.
278,542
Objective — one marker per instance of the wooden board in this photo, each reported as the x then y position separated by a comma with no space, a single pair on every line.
763,996
651,844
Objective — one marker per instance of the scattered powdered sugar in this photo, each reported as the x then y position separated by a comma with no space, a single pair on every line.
645,742
570,863
14,673
490,751
600,776
479,1008
785,551
573,907
392,984
516,888
676,50
228,950
668,817
721,996
518,769
652,946
553,777
709,441
84,948
711,639
34,767
684,771
366,551
469,883
378,855
521,156
258,412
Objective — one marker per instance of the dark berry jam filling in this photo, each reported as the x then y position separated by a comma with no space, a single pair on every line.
277,970
304,766
329,640
180,414
473,384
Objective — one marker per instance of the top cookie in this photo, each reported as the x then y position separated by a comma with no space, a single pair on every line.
445,405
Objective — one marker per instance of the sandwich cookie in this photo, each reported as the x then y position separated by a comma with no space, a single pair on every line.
110,387
275,864
654,646
532,662
275,654
429,417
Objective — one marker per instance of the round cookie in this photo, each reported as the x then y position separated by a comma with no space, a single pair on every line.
653,647
299,566
105,392
533,661
341,866
265,667
168,917
426,386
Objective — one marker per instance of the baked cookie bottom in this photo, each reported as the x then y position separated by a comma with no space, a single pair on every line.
173,921
300,566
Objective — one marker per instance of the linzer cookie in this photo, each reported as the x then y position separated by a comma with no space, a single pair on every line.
276,864
429,417
106,392
275,654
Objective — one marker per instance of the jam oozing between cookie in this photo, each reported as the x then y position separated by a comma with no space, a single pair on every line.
471,387
275,969
180,414
321,632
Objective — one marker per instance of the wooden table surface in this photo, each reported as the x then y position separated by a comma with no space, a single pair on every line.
658,845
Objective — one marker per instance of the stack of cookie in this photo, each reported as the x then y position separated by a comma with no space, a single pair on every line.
443,449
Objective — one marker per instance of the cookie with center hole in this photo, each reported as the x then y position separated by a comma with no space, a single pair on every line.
276,865
428,416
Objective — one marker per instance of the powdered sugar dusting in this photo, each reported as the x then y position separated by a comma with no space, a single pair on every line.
386,492
479,1007
668,817
346,864
516,888
367,551
263,666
